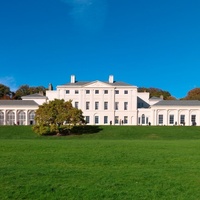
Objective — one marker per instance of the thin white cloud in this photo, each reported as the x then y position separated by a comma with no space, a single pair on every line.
89,15
9,82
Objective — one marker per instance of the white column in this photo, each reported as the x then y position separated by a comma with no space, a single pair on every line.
27,117
5,116
16,113
189,121
92,107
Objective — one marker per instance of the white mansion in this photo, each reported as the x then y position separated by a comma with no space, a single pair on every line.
105,103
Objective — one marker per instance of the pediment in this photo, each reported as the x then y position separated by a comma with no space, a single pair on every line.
97,84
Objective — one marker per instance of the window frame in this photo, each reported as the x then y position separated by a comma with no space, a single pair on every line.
96,91
116,105
96,105
105,105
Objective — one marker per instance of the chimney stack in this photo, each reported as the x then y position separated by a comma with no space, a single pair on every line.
50,86
111,79
73,79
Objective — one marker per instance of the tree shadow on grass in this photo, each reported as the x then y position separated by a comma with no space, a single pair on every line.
87,129
76,130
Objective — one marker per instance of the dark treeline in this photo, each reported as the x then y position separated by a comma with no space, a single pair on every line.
6,93
193,94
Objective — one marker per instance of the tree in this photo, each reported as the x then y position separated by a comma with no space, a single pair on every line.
193,94
56,117
155,92
27,90
5,92
170,98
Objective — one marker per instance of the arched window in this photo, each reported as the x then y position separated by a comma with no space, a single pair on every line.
22,118
32,117
1,118
143,119
11,118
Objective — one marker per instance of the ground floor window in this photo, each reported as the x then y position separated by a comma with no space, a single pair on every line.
105,119
22,118
1,118
17,118
11,118
160,119
182,119
76,104
143,119
193,120
171,119
147,120
138,120
96,119
87,119
116,119
125,119
32,117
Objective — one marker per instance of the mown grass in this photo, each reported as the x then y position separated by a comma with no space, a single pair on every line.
111,133
116,163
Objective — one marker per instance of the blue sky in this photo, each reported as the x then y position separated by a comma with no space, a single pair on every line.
147,43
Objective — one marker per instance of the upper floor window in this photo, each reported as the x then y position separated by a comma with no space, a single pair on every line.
125,105
96,105
76,91
87,105
116,105
105,105
96,91
125,91
87,91
116,91
105,91
67,92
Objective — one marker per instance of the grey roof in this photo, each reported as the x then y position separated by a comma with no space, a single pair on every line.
18,103
35,96
82,83
77,83
119,83
155,98
178,103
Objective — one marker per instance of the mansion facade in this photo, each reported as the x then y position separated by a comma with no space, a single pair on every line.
105,103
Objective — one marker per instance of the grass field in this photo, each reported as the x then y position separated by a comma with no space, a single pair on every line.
118,162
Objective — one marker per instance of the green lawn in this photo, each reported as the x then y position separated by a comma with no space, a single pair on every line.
118,162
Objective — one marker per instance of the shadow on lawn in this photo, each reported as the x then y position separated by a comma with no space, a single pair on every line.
78,130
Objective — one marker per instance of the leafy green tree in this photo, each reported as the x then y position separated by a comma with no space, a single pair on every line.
5,92
193,94
56,117
27,90
155,92
170,98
